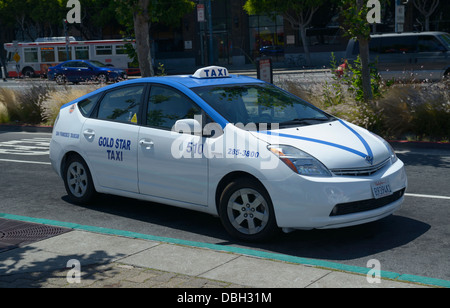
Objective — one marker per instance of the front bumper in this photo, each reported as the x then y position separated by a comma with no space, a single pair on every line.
334,202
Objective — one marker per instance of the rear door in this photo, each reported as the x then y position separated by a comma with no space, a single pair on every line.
109,138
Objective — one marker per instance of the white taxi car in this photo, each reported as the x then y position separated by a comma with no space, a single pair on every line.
256,156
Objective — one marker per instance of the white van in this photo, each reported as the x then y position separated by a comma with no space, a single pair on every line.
422,56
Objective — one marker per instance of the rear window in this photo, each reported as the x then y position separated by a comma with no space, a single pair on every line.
86,105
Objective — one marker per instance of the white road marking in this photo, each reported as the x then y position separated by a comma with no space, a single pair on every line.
427,196
25,161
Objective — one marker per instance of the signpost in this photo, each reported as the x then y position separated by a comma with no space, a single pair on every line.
264,71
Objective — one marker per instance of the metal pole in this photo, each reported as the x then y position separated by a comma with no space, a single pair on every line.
67,39
211,51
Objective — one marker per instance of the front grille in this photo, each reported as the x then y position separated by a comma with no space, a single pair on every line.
366,171
365,205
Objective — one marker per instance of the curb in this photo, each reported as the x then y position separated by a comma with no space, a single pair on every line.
26,128
333,266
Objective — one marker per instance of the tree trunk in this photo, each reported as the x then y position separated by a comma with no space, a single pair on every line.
141,21
302,31
365,70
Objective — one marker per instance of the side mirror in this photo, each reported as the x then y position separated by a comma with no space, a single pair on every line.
188,126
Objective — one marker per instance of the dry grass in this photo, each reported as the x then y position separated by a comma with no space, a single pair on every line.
51,105
38,104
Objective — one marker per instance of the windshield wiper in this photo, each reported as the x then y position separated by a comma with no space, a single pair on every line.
304,121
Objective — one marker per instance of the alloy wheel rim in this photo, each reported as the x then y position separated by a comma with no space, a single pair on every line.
77,179
248,211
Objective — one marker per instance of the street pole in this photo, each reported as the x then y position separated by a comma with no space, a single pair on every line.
211,51
67,39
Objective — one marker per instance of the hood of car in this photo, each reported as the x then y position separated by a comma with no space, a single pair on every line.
336,144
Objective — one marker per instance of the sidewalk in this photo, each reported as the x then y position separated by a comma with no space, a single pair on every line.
111,260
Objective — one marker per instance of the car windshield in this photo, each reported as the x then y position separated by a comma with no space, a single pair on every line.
97,63
261,103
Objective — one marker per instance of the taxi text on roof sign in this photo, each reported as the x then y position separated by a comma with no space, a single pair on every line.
211,72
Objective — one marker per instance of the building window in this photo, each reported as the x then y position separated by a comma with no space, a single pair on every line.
266,35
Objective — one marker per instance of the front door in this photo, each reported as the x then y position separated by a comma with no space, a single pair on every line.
171,164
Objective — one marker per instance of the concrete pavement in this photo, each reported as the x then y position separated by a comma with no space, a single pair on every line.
85,256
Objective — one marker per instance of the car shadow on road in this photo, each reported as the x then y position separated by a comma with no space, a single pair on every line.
328,244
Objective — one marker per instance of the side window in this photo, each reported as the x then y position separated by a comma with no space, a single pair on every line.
166,106
393,45
121,105
429,44
70,64
88,104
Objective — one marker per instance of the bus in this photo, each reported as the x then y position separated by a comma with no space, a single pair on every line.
32,59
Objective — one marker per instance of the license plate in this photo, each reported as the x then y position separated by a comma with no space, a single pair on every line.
381,188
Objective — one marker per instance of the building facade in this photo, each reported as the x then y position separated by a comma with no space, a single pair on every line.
234,38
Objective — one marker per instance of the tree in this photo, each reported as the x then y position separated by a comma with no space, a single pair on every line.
139,15
354,13
426,8
35,18
298,13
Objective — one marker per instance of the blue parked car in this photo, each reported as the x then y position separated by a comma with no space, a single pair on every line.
84,70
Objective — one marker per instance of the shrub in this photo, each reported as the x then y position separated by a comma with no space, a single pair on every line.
54,101
4,116
24,106
401,111
8,100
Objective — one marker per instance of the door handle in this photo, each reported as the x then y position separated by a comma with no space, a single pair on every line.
148,144
89,134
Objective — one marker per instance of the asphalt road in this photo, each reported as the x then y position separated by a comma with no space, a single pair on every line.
415,240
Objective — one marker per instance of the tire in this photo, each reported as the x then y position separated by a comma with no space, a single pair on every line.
60,79
28,72
102,78
246,211
78,180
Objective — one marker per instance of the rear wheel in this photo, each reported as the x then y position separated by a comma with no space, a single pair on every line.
60,79
102,78
78,180
246,211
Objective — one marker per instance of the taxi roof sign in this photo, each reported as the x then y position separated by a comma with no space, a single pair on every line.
211,72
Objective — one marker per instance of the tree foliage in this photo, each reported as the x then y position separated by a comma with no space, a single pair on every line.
138,15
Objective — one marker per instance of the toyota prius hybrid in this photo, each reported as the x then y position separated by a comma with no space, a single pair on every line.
232,146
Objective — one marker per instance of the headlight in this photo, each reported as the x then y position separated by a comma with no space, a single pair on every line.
391,151
299,161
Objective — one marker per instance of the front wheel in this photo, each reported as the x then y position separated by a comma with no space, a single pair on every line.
246,211
78,180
